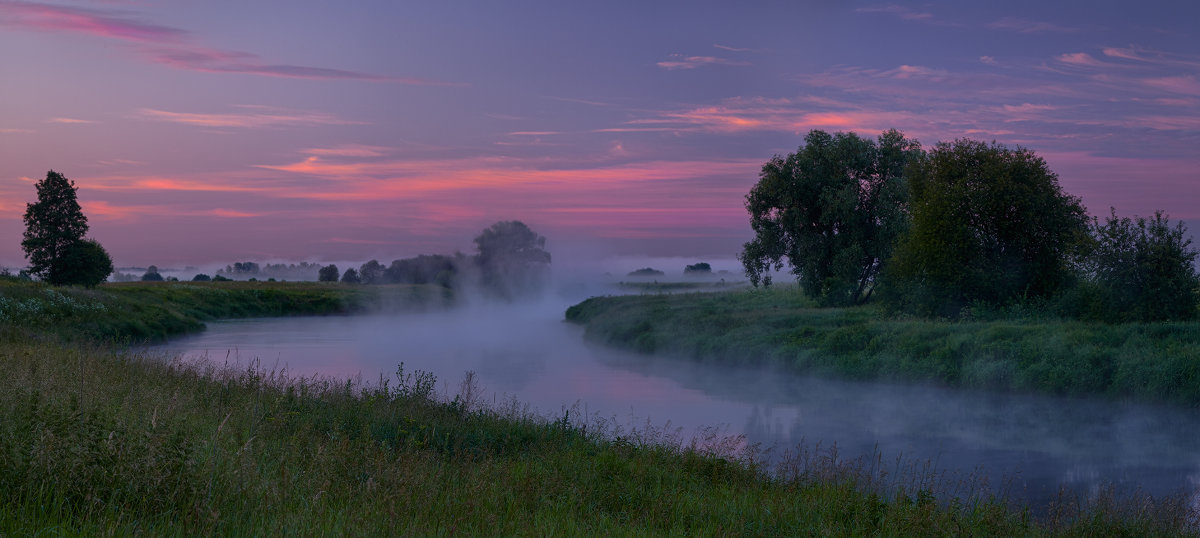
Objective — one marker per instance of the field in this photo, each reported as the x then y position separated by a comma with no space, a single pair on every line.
97,440
1008,351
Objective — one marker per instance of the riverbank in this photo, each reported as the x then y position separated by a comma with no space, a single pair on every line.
780,328
150,311
100,441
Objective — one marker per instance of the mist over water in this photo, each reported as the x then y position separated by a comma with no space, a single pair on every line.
1027,445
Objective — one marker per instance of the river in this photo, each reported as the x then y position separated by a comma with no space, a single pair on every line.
1028,446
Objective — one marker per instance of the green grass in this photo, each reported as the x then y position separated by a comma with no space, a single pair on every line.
778,327
99,441
144,311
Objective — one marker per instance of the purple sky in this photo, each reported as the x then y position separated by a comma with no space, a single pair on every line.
219,131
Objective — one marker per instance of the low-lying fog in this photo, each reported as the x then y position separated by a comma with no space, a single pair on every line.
528,353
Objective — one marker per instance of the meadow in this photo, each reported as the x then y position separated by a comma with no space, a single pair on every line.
96,439
1017,350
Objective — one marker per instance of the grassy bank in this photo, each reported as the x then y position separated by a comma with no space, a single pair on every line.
142,311
1158,361
98,441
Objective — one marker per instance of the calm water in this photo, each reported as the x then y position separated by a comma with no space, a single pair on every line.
1034,444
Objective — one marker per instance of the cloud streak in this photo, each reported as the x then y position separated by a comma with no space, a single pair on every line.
679,61
170,46
257,117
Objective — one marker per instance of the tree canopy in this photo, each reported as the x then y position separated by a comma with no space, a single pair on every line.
85,263
989,224
832,210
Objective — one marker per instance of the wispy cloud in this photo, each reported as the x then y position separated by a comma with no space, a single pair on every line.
68,120
1026,26
353,150
114,24
679,61
256,116
169,46
1079,59
898,11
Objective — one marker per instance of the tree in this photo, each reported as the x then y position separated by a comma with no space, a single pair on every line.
85,263
512,259
54,225
1144,270
833,210
329,273
371,272
646,272
151,275
702,268
989,224
201,277
350,276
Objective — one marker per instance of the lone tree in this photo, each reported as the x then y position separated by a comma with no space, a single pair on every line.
833,210
512,259
990,224
53,241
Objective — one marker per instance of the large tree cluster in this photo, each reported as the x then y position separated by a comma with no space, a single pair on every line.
965,224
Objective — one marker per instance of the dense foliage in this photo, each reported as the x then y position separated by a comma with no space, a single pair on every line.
85,263
1140,269
990,224
832,210
53,239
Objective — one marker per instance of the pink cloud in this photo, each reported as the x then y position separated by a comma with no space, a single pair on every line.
68,121
1080,59
260,116
167,46
94,22
349,151
1187,85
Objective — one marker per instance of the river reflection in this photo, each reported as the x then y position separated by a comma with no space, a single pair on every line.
1035,444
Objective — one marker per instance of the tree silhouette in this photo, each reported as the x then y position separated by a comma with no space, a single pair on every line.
85,263
512,259
329,273
53,226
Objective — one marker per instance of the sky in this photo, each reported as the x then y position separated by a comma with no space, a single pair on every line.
219,131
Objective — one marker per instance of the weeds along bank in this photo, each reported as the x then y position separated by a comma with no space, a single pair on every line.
97,441
1152,361
141,311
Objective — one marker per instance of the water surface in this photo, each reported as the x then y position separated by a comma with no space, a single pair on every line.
1032,445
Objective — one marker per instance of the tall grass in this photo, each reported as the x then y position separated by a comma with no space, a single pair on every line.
1150,361
97,442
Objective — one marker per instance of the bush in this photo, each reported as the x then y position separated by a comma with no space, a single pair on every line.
1140,270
